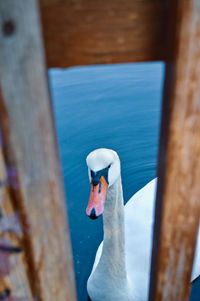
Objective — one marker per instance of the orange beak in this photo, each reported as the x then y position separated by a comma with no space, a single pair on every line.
97,198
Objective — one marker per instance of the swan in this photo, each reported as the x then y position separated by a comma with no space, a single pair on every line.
122,265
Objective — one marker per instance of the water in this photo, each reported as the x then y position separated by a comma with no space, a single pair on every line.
112,106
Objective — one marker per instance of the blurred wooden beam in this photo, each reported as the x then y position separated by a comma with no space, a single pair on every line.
32,166
97,32
12,264
178,195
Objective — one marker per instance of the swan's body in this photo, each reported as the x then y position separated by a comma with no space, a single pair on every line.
122,265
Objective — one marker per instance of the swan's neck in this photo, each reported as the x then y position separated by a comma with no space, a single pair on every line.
109,280
113,254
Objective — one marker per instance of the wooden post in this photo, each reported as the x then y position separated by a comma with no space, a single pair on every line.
30,169
178,195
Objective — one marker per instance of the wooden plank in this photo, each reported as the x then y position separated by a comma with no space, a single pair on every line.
31,157
97,32
178,195
12,264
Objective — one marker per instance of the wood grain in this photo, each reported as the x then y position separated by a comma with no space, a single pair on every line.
16,280
31,156
178,195
99,32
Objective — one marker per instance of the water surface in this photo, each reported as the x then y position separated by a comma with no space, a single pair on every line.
112,106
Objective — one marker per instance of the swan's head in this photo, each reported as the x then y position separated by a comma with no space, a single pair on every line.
104,170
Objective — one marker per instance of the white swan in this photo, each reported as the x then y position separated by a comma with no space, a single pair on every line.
122,265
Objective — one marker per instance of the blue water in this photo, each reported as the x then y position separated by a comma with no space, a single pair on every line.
112,106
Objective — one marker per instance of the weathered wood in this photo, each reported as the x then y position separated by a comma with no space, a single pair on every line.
12,267
96,32
30,152
178,195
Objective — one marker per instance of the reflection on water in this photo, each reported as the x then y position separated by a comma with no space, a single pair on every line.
115,107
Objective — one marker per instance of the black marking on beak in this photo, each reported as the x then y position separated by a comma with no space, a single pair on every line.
93,214
96,175
99,187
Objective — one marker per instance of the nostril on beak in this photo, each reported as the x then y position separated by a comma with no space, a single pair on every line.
93,214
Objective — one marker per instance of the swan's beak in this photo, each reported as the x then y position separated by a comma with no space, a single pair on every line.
97,198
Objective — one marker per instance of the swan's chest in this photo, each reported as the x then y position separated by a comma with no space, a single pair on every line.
101,288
